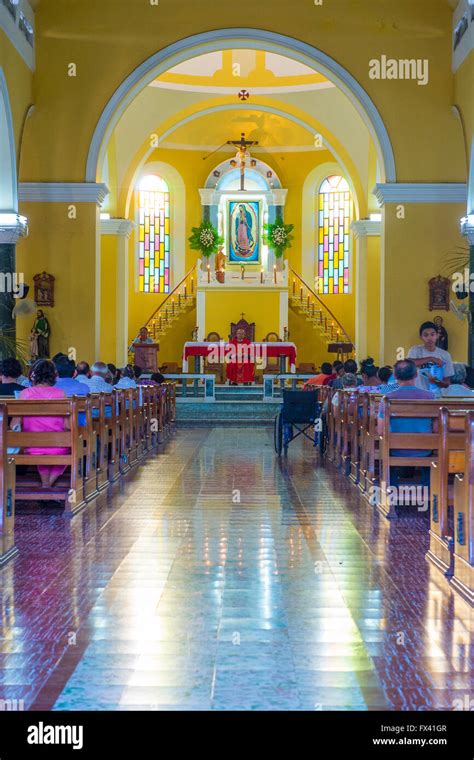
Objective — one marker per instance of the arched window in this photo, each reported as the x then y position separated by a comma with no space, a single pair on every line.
334,219
154,235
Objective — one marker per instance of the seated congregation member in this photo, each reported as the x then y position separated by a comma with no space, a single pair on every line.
385,375
115,373
458,385
66,369
405,372
434,364
350,366
324,377
10,371
97,382
338,368
349,383
127,378
43,378
370,378
82,373
240,369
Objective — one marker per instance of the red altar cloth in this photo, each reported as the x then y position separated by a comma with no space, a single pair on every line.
242,368
270,350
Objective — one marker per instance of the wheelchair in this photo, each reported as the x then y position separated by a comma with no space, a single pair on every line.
300,412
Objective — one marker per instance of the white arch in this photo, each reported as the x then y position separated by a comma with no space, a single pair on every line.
225,39
177,217
245,106
8,178
309,225
470,183
224,168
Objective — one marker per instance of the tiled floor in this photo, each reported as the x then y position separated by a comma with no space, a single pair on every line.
221,578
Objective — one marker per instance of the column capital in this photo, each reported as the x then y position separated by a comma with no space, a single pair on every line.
467,228
279,196
12,227
63,192
366,228
207,196
118,227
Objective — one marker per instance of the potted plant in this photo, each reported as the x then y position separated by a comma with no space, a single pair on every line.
207,240
278,237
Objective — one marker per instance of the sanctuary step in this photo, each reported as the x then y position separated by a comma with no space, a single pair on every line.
239,393
197,413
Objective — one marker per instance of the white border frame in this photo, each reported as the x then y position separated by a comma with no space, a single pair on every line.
9,180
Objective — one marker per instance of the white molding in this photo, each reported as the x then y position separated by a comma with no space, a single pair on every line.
366,228
13,229
118,227
467,230
213,110
420,192
63,192
467,42
15,36
8,180
238,38
211,197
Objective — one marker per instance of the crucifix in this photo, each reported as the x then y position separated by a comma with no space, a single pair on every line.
243,155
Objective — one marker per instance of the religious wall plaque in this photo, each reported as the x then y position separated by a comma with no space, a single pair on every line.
44,289
439,293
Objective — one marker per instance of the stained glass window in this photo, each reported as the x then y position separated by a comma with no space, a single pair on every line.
334,219
154,235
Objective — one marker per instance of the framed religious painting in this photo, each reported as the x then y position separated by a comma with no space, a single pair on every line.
44,289
244,233
439,293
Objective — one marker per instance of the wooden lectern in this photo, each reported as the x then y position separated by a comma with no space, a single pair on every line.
146,356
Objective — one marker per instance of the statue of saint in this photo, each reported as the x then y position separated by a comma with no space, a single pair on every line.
39,337
443,339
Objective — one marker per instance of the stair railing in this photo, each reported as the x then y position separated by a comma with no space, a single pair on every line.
311,304
176,303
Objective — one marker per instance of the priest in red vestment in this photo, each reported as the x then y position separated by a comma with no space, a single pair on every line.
241,369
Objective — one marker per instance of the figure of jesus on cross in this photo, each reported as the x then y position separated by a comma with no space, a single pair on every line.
243,155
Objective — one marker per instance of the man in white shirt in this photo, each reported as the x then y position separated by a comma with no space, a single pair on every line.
434,364
96,382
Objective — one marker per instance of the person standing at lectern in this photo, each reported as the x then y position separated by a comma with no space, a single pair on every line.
241,370
143,337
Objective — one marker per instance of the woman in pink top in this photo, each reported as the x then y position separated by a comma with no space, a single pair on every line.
43,376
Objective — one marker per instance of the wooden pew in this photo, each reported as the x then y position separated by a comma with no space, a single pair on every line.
89,435
463,573
101,425
450,460
349,425
421,409
8,549
69,488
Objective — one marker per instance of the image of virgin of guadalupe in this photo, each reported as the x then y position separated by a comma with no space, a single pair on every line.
243,232
40,333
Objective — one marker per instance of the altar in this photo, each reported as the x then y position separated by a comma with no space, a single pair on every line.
256,352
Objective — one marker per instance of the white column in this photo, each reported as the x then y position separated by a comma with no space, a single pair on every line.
122,229
362,229
201,314
283,312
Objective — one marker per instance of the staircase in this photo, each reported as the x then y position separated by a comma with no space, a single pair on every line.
306,303
180,301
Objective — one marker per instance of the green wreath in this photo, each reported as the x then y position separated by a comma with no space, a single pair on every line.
205,239
278,236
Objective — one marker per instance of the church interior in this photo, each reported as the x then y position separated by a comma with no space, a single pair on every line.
218,228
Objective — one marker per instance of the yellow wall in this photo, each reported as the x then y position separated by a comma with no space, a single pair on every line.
463,93
108,304
19,82
373,298
261,308
415,251
65,248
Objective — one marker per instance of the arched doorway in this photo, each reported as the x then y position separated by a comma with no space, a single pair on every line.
223,39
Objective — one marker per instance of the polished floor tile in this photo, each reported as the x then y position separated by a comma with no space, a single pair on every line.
220,578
